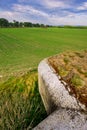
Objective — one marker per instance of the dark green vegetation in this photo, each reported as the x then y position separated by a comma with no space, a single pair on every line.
5,23
21,107
23,48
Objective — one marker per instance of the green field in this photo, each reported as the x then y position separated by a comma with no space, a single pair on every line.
21,50
24,48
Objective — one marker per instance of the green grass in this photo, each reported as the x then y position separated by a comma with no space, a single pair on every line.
21,107
22,48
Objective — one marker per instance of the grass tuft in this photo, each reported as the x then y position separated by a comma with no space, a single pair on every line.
77,81
21,107
62,71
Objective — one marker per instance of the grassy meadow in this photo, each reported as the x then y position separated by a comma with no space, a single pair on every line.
21,50
24,48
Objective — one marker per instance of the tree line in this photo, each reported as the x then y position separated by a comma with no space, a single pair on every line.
5,23
73,27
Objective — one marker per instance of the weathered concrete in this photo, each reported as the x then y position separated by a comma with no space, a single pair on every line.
67,113
63,119
53,91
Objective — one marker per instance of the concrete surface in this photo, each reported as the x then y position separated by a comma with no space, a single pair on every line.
65,112
53,91
64,119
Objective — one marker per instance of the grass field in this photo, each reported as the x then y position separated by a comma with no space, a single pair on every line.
23,48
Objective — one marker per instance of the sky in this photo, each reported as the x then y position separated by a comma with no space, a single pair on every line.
52,12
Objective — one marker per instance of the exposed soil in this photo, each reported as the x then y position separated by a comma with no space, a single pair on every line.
72,68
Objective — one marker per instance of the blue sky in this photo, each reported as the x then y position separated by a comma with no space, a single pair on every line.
53,12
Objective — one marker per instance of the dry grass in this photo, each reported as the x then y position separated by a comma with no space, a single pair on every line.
21,107
72,67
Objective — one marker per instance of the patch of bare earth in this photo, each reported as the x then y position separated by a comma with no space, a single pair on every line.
72,68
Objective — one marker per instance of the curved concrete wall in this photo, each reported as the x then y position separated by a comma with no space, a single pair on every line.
53,91
68,113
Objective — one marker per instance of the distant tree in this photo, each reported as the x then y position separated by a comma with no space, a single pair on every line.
28,24
11,24
47,25
21,24
4,22
42,25
36,25
16,23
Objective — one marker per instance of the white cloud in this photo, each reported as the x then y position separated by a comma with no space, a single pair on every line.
8,15
29,10
50,3
22,12
83,6
14,15
54,3
5,13
70,19
25,13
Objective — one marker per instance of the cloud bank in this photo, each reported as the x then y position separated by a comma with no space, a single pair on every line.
54,12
